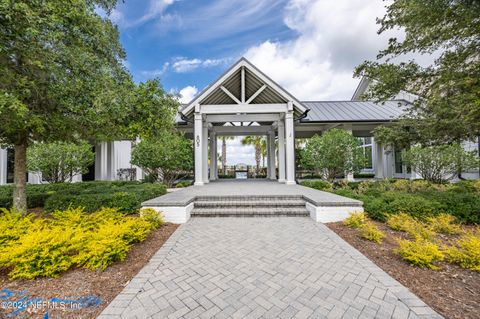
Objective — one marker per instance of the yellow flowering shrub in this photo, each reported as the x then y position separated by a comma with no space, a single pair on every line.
371,232
12,226
444,224
355,220
420,252
466,251
46,247
406,223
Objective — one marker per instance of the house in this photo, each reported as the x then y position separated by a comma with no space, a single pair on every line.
245,101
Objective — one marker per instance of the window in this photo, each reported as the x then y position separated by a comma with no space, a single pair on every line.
10,163
366,145
398,162
400,166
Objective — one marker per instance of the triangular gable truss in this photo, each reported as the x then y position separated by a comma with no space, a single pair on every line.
243,84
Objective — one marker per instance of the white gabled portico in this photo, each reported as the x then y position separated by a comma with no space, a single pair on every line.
245,96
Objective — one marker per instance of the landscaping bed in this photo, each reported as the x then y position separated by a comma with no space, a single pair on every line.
451,290
78,283
91,196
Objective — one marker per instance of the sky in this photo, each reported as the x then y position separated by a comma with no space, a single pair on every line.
310,47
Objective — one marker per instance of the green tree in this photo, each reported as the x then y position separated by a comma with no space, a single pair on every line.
224,152
165,157
257,142
440,163
62,76
334,153
60,161
153,110
448,108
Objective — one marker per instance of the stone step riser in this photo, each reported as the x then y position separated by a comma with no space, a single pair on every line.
246,198
251,215
247,204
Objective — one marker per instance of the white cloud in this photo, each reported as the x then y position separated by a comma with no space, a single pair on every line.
188,93
334,37
238,153
183,65
155,72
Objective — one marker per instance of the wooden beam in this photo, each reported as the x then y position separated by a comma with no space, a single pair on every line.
218,118
233,97
241,130
243,108
256,94
243,84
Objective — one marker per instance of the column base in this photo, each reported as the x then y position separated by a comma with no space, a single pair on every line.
291,183
198,184
281,180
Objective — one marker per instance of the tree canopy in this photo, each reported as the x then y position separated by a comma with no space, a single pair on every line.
448,107
62,76
333,154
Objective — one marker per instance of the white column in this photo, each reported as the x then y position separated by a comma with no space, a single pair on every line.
268,156
213,155
281,151
290,145
271,158
215,146
103,161
198,140
3,166
205,153
378,160
349,175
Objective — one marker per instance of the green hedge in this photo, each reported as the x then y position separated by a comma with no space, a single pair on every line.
126,196
417,198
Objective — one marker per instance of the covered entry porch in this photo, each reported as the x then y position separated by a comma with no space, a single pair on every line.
243,101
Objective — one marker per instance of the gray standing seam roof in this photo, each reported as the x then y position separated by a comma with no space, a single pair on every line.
351,111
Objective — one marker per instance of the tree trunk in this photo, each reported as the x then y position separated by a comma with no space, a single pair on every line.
20,177
224,155
258,156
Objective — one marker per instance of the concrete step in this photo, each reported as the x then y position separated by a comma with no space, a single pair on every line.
247,198
249,211
251,203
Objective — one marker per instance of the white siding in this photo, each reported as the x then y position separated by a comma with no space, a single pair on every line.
3,166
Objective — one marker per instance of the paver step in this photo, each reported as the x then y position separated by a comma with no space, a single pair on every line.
251,203
247,198
249,212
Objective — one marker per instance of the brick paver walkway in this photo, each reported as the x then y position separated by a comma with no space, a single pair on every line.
288,267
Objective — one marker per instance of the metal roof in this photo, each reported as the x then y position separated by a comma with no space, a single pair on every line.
353,111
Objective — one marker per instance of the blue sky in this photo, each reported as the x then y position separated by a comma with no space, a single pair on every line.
192,42
310,47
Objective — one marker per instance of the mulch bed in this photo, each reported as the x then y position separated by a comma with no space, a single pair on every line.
453,292
78,283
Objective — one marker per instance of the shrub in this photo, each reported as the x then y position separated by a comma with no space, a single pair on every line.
405,223
371,232
420,253
127,197
152,216
318,184
440,162
60,161
182,184
164,157
401,222
467,251
334,153
355,220
445,224
46,247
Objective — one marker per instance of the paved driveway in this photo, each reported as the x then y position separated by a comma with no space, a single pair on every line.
280,267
